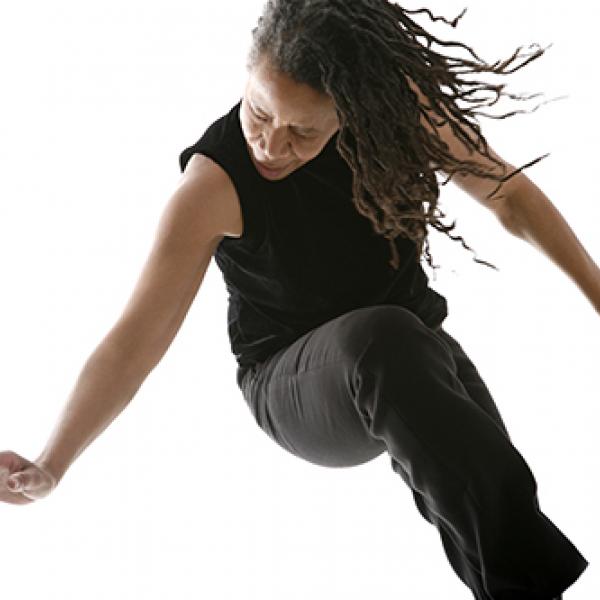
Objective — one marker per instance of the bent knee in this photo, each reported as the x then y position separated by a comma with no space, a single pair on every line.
382,327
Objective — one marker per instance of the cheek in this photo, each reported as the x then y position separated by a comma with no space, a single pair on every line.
249,128
308,150
305,154
251,131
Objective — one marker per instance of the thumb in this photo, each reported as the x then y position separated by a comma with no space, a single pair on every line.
14,483
23,480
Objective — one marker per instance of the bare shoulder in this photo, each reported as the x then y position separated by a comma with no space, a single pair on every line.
211,182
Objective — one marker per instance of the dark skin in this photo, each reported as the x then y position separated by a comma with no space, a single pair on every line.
285,124
273,136
291,128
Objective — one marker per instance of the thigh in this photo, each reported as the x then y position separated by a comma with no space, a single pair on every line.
303,398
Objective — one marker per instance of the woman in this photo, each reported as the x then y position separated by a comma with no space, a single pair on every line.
314,195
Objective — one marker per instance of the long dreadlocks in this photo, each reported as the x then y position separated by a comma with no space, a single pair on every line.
360,53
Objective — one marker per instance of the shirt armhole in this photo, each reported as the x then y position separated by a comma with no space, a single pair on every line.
248,206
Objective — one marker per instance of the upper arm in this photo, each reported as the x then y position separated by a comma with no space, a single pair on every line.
477,187
194,221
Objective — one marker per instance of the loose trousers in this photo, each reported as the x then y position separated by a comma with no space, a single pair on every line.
377,379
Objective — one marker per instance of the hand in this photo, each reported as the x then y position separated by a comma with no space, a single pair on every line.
22,481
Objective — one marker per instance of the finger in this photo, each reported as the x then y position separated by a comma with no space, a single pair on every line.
10,498
11,461
28,479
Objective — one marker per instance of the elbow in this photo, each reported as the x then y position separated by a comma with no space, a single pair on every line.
510,223
510,218
522,208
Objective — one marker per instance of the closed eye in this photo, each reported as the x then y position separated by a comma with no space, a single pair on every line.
263,118
259,117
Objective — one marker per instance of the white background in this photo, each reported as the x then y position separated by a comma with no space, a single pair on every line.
184,496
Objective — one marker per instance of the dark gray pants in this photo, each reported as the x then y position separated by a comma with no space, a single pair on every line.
377,379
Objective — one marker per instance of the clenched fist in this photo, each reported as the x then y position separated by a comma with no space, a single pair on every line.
22,481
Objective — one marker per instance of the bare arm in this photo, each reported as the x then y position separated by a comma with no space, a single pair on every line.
531,216
524,210
190,229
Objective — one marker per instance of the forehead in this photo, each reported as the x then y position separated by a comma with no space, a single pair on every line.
278,95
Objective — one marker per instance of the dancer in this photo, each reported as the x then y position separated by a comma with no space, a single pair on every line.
315,194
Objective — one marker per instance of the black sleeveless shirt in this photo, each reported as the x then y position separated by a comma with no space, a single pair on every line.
306,254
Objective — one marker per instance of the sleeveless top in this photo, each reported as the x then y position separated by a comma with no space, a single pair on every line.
306,255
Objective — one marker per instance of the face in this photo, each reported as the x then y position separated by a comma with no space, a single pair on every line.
286,124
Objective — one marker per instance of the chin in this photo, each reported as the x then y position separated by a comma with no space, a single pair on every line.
278,175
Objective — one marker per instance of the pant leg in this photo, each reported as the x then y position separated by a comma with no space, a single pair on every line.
472,381
479,393
300,397
377,379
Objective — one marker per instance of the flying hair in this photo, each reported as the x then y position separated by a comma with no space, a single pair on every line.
360,53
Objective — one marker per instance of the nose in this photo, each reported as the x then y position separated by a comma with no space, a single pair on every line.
275,145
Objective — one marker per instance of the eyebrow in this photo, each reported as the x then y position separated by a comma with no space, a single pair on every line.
303,127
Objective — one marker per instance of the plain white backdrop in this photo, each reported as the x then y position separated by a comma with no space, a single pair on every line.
183,496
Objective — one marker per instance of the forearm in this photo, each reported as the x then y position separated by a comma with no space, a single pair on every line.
105,385
529,214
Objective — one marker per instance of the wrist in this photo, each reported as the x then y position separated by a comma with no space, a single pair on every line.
52,467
